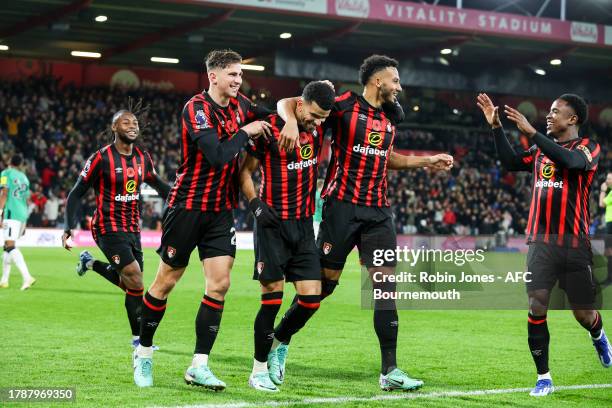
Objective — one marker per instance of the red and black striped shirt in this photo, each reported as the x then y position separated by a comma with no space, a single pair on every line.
559,212
362,140
288,180
198,185
116,179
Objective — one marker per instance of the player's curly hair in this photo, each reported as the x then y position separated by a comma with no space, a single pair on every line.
222,59
373,64
319,92
579,105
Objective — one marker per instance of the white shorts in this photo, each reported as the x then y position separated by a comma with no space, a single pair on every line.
12,230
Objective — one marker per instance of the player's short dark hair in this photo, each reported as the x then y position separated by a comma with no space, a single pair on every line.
579,106
16,160
222,59
373,64
319,92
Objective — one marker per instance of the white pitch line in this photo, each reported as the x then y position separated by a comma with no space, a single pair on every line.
403,396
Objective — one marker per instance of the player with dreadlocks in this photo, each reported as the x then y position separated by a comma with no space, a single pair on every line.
116,172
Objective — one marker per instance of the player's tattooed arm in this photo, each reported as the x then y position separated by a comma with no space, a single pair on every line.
289,135
399,161
246,180
72,205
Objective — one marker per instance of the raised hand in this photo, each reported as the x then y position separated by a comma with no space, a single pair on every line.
521,121
490,112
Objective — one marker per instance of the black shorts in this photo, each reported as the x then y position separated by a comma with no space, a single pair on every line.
345,225
287,252
182,230
609,235
120,248
572,267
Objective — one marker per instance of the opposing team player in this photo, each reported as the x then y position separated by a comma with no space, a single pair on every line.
116,173
284,236
214,129
356,209
14,194
563,166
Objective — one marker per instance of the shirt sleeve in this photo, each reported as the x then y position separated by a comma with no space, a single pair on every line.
256,148
3,180
92,169
590,151
512,159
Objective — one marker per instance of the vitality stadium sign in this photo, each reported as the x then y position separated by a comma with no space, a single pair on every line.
437,17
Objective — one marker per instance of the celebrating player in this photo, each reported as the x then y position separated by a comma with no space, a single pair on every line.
284,236
558,228
605,201
200,212
116,172
356,209
14,194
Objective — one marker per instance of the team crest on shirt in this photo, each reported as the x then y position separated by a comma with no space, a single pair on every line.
116,259
171,252
260,267
201,120
327,247
130,172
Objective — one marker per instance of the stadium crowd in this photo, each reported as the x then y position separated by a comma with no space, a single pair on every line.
57,128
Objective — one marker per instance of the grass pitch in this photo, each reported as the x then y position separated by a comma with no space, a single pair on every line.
70,331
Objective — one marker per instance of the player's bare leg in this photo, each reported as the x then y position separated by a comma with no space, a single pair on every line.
208,321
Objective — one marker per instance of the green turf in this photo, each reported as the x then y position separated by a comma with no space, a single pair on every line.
69,331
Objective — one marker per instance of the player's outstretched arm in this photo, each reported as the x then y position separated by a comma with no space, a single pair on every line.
569,159
72,204
289,135
402,162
